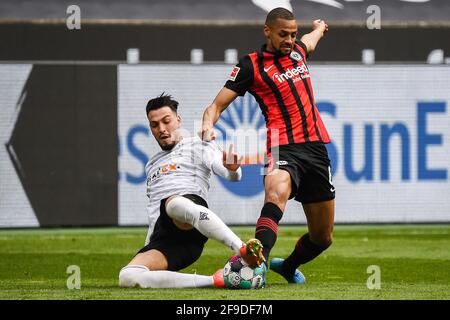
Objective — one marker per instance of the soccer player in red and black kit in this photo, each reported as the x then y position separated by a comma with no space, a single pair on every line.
297,160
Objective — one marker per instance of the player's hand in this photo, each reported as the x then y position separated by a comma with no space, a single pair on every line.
231,160
320,25
208,133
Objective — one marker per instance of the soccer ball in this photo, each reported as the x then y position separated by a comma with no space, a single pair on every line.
239,275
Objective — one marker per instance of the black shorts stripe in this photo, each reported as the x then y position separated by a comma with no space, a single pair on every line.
278,96
300,106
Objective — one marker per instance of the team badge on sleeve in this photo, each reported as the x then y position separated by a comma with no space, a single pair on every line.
234,73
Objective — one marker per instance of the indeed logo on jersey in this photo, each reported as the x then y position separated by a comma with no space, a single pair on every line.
299,73
164,169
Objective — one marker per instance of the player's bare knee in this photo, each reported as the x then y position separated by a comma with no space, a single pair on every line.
276,195
277,199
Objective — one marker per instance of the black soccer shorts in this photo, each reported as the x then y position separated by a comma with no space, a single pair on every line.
181,248
309,166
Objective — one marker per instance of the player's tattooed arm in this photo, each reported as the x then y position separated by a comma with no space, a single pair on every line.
312,39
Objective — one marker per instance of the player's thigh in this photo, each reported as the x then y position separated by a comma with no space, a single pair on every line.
320,219
152,259
277,187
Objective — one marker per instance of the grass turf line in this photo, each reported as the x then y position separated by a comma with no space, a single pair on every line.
414,261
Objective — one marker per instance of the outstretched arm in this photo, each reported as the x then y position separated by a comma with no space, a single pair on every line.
311,39
212,113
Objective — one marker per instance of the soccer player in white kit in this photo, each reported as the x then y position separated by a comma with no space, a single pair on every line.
180,222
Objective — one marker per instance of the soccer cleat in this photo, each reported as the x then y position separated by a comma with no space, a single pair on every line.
251,253
276,264
218,280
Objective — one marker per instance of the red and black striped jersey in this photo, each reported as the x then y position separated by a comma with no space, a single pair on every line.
281,85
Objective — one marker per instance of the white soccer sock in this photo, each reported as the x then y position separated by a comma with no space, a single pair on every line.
204,220
137,275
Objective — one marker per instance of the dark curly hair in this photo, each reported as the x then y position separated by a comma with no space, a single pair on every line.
164,100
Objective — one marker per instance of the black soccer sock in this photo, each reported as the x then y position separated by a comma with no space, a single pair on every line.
305,250
267,227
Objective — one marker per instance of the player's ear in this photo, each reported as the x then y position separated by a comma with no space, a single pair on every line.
266,31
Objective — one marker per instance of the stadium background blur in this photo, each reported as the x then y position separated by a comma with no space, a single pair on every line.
75,140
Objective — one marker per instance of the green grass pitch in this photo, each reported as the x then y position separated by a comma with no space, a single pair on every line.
414,262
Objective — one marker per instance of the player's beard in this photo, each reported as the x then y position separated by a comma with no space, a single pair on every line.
167,147
279,52
177,135
282,53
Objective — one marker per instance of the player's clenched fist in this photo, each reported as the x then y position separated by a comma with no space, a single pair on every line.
321,25
208,133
